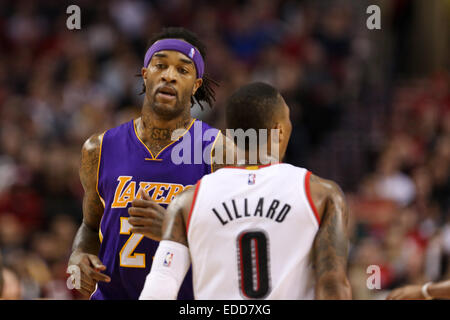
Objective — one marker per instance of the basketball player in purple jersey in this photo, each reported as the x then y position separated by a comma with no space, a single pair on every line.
129,177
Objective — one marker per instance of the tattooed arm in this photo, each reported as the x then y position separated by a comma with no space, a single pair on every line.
86,243
174,224
330,247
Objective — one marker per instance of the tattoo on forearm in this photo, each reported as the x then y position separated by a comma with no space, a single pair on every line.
331,245
86,238
178,233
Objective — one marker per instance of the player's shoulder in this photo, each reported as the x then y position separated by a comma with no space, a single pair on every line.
313,182
324,187
93,143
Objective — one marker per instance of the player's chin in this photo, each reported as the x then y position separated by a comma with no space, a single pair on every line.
159,105
166,109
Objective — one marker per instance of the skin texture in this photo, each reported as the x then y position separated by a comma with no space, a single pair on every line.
438,290
284,125
330,248
167,70
174,225
86,244
223,146
161,115
146,217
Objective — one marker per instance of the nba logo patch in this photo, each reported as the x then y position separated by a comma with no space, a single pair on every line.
251,178
168,259
191,53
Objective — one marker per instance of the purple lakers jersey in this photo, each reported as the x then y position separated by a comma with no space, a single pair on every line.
126,166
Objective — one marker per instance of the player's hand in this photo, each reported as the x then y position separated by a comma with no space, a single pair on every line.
412,292
90,271
146,217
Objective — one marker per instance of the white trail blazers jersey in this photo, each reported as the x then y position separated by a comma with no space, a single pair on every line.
250,234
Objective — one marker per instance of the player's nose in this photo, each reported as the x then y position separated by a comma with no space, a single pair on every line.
169,75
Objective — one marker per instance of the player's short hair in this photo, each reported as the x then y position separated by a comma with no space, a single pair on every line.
253,106
206,91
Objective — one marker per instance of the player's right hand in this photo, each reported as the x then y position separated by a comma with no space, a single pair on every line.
90,271
146,217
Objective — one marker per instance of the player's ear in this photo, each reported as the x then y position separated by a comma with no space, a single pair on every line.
198,83
144,75
279,131
276,135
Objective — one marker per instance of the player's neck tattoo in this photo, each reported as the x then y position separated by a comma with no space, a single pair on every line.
156,138
148,132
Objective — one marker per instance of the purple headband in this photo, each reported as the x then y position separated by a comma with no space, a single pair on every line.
180,46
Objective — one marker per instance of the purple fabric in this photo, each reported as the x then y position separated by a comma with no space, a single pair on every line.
177,45
124,155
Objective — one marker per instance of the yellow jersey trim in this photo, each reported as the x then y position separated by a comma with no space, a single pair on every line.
156,157
100,235
98,168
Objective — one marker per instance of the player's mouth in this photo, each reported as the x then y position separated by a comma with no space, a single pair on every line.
166,93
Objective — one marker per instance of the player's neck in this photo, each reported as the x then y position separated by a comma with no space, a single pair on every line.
256,159
156,132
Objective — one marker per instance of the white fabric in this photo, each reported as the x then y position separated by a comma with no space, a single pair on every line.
169,267
215,247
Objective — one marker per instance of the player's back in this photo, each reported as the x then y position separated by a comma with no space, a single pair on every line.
251,232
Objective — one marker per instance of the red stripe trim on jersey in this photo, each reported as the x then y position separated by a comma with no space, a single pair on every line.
308,195
197,186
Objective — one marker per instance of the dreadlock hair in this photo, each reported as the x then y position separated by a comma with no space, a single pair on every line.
206,91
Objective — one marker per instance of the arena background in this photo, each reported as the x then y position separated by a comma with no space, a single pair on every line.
370,109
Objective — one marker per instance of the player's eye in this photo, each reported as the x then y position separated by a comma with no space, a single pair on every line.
182,71
160,66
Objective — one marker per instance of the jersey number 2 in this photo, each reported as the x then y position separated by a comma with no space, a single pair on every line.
127,257
253,264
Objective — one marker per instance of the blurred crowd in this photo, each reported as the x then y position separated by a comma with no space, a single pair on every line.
401,210
387,143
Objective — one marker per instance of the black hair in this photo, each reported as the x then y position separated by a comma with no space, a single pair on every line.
206,91
252,106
